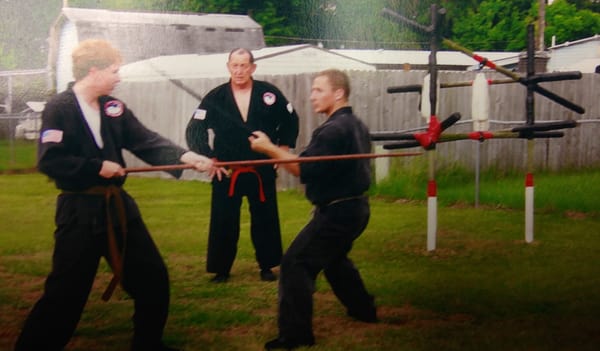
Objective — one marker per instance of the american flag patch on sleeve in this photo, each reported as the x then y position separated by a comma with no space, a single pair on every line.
52,136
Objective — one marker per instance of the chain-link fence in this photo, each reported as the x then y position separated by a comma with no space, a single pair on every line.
18,142
21,102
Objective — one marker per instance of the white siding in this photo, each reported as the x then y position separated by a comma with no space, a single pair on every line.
64,64
582,55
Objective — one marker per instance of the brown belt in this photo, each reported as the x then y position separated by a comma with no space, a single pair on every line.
115,256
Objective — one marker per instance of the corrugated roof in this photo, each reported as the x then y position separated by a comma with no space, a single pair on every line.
162,18
576,42
291,59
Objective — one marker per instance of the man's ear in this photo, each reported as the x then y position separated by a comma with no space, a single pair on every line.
338,94
92,70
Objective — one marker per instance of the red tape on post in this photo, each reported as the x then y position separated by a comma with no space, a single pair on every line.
529,180
431,189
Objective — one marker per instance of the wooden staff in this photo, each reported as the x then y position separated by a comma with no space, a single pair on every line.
271,161
416,88
479,136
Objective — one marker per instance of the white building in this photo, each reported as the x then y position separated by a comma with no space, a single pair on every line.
142,35
280,60
580,55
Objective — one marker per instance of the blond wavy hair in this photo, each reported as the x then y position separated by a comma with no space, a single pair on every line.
90,53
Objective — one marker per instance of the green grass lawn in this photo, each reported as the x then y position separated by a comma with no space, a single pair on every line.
18,155
483,288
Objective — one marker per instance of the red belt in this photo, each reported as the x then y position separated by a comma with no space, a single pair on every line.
236,173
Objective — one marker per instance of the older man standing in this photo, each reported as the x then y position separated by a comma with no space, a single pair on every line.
231,112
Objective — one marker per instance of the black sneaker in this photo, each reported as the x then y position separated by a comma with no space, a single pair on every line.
367,314
282,343
160,347
166,348
267,275
366,317
220,278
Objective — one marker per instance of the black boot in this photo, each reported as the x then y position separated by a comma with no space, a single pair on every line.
367,313
282,343
220,278
267,275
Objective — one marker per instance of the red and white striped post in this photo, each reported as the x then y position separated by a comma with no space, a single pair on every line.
529,205
431,214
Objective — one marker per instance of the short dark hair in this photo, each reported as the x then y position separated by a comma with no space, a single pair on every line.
338,80
241,51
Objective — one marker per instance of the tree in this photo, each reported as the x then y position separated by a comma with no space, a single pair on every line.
592,5
476,24
354,24
494,25
23,32
565,22
8,59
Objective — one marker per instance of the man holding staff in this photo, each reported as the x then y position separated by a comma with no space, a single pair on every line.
83,133
337,189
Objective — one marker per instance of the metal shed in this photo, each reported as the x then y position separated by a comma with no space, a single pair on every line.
142,35
581,55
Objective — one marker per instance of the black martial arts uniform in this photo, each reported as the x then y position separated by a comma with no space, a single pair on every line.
337,189
270,112
68,154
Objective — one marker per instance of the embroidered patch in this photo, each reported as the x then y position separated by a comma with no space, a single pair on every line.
290,108
269,98
199,114
114,108
52,136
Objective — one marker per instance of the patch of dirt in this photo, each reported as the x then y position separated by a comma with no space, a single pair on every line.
19,171
575,215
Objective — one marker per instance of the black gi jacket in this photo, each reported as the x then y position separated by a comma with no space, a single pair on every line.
342,133
269,112
68,154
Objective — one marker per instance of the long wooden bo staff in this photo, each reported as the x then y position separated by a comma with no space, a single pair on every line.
272,161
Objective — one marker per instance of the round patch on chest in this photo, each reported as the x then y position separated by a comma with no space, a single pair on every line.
269,98
114,108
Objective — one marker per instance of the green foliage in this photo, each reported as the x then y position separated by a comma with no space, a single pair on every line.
494,26
8,59
568,23
24,28
498,189
17,155
338,24
592,5
476,24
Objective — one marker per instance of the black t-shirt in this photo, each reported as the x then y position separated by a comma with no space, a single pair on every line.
342,133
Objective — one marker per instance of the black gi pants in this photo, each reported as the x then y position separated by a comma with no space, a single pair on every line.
323,244
80,242
224,230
